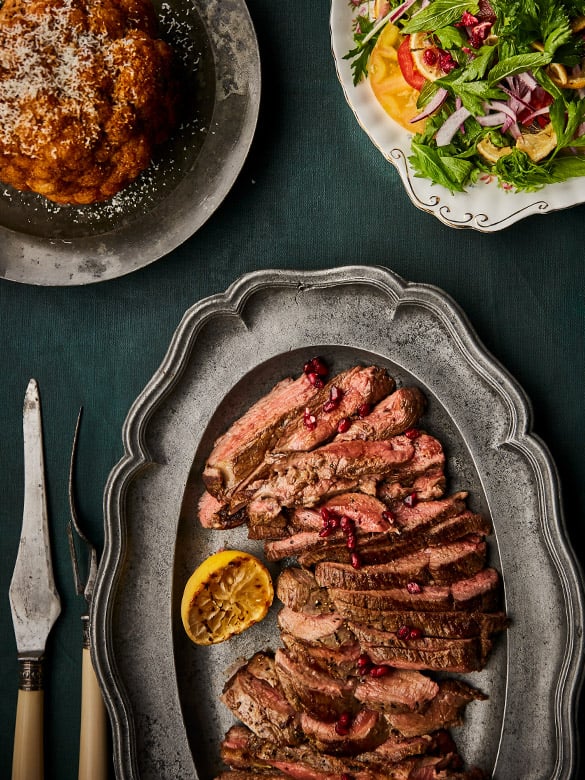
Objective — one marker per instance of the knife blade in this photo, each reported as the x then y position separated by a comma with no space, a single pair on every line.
34,600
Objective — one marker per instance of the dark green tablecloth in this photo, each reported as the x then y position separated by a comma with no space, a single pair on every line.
314,193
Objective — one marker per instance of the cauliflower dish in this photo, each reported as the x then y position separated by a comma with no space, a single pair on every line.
86,93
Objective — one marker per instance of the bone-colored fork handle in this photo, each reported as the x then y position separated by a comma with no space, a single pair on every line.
28,755
93,738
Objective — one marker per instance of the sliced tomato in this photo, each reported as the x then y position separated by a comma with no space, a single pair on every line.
407,66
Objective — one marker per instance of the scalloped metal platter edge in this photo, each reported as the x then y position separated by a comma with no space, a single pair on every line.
45,244
161,691
485,206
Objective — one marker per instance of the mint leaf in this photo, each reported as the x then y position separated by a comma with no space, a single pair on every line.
518,63
439,14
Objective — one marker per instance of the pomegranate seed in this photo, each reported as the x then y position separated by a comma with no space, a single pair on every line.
345,776
347,524
412,433
363,661
411,500
343,425
446,62
309,420
316,366
430,56
327,531
379,671
333,522
389,516
403,632
355,560
335,396
343,731
413,587
345,719
351,542
364,410
325,513
415,633
315,380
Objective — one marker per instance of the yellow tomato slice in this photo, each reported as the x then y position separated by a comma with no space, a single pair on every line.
393,93
225,595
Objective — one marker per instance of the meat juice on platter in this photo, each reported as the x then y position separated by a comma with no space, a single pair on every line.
387,592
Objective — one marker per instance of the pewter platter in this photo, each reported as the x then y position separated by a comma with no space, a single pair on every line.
216,47
229,349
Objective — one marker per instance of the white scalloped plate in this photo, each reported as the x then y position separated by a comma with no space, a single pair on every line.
485,206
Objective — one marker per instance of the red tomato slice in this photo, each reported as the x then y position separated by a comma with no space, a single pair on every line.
407,66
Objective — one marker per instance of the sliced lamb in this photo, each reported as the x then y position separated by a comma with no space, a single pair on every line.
313,691
353,389
426,487
364,731
449,625
298,590
325,629
430,653
379,548
215,514
479,592
428,460
305,478
440,565
401,690
444,711
396,414
241,448
367,512
340,661
260,705
396,748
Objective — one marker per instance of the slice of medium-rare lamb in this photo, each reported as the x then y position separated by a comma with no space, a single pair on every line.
396,414
400,690
306,478
346,394
439,565
314,691
480,592
348,736
323,629
449,625
298,589
340,661
238,451
213,513
445,710
378,548
422,653
368,513
259,701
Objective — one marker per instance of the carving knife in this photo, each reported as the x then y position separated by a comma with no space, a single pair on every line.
34,600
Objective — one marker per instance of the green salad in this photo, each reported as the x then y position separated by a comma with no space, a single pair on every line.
500,85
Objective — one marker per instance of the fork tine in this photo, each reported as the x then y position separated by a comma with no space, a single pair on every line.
73,529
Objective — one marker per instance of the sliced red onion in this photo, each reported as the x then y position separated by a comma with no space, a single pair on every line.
528,80
539,112
450,126
436,102
514,131
498,105
490,120
402,9
580,130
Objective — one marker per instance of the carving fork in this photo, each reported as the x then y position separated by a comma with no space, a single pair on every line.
93,737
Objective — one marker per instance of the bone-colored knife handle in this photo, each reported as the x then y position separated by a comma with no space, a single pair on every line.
93,738
28,755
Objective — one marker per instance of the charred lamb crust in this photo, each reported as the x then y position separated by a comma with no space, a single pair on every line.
298,589
438,565
358,386
397,413
259,701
